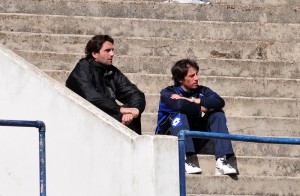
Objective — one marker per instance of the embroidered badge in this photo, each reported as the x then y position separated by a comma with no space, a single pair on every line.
176,121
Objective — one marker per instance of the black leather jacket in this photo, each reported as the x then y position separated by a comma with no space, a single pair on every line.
102,85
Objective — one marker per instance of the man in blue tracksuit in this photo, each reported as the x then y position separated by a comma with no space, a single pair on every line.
181,107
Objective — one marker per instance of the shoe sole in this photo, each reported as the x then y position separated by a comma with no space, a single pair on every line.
222,173
194,172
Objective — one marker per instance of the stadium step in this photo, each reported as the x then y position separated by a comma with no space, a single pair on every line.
248,52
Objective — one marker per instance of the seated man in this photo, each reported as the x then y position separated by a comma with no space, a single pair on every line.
181,107
98,81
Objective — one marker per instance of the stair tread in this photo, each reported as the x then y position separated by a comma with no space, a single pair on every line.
144,9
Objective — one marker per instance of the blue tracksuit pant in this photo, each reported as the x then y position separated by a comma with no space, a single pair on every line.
213,122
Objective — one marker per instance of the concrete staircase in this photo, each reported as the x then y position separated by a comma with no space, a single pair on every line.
248,52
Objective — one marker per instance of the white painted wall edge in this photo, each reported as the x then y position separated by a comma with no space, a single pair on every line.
87,151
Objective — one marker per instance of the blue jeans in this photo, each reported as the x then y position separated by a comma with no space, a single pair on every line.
211,122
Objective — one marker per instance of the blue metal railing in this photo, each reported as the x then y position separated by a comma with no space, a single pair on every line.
42,147
209,135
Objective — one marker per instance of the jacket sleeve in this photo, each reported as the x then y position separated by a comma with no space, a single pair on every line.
128,93
178,105
210,99
80,81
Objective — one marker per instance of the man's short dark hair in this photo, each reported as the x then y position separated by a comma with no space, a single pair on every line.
180,70
96,43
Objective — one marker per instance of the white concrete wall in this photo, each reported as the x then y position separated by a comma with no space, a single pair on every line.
87,152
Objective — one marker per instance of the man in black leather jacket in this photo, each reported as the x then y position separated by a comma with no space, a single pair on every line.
98,81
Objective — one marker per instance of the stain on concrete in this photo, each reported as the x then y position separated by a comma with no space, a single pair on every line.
230,55
259,52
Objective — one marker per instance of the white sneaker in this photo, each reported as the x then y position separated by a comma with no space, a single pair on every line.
223,168
191,168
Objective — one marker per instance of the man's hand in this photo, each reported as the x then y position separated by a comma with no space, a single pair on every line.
205,110
127,119
133,111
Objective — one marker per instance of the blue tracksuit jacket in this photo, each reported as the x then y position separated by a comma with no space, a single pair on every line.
168,106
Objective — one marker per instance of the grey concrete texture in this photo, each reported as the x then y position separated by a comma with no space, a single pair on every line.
246,87
132,27
251,185
238,2
227,2
262,149
274,51
252,166
213,195
157,10
246,125
248,51
162,65
246,106
259,2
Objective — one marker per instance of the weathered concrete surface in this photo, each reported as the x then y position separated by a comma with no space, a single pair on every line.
246,87
133,27
157,46
157,10
242,185
248,51
253,166
260,2
162,65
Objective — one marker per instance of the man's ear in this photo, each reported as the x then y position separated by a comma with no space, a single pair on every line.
94,54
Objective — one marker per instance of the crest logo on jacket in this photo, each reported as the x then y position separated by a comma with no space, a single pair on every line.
176,121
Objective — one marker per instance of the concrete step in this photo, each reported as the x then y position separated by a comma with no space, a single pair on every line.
248,185
259,2
259,149
212,195
253,166
247,106
162,65
243,125
132,27
232,2
157,10
245,2
240,2
58,43
245,87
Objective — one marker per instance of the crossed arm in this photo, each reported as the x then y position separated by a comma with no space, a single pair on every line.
195,100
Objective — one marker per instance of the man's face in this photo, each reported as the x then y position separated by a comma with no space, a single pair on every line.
191,80
105,54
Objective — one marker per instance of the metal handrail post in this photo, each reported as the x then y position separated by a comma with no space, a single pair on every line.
42,146
42,154
181,150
